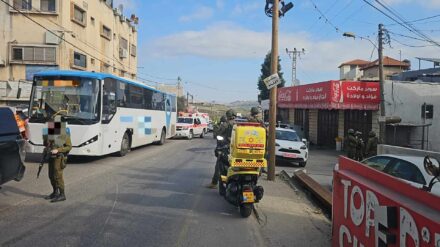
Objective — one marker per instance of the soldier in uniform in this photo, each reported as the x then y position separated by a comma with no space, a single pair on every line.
360,147
217,126
225,130
351,144
371,148
255,116
57,140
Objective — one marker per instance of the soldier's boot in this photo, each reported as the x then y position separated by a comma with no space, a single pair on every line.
212,185
61,197
54,194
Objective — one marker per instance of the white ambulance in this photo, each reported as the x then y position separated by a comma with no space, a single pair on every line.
191,124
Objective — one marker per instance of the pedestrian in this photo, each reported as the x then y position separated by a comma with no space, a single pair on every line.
350,144
57,140
371,148
225,131
255,116
360,147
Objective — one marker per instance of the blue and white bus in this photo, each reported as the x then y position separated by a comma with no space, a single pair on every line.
104,113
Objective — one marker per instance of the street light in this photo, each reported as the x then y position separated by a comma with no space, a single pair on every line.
268,9
353,35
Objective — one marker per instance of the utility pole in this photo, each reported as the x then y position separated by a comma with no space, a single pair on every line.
382,122
273,92
179,80
294,55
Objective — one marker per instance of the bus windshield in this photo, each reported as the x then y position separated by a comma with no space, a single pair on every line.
75,98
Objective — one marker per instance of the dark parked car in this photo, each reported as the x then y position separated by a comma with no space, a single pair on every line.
12,148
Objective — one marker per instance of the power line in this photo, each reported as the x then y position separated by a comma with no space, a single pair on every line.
323,16
413,46
407,25
417,20
402,22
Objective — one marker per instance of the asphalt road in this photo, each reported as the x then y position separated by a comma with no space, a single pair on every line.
155,196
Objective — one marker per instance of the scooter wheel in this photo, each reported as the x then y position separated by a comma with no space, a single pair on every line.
221,188
246,210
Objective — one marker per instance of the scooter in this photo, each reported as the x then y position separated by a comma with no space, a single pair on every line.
239,165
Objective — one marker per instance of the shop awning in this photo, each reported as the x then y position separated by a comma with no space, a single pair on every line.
330,95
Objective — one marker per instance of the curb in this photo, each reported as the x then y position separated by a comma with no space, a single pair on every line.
323,195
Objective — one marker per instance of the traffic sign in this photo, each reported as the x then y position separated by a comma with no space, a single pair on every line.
272,81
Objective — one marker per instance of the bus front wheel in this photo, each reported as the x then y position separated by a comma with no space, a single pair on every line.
125,145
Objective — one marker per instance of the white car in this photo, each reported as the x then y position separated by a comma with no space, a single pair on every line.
407,168
290,148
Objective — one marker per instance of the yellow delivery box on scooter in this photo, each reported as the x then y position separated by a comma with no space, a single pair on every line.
248,145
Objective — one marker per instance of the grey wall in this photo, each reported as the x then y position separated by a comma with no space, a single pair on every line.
405,99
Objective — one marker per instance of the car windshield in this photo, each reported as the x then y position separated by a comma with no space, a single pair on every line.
185,120
77,99
287,136
377,162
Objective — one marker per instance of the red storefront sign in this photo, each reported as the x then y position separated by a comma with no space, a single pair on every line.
371,208
331,95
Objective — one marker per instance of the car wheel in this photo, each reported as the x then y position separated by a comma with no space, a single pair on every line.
190,136
203,134
302,164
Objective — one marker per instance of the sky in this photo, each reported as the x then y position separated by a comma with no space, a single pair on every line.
217,46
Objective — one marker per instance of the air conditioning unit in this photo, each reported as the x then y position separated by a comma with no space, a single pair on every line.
117,12
51,39
123,53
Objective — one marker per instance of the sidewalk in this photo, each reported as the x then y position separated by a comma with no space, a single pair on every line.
319,166
288,218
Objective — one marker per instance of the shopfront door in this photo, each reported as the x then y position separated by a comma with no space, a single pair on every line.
327,127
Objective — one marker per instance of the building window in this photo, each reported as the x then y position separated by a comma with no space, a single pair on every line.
17,54
123,48
106,32
23,4
79,60
32,55
78,15
47,5
92,61
133,50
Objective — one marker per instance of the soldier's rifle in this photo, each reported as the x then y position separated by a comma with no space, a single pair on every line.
46,156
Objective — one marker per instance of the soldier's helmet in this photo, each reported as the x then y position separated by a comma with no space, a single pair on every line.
255,111
230,114
372,134
358,133
223,119
351,131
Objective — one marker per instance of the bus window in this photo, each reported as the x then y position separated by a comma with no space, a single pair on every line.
109,100
121,94
148,96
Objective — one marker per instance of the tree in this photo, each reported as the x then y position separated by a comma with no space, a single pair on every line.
181,104
265,72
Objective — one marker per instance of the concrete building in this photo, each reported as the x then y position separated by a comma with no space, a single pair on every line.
351,70
40,35
418,105
391,66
